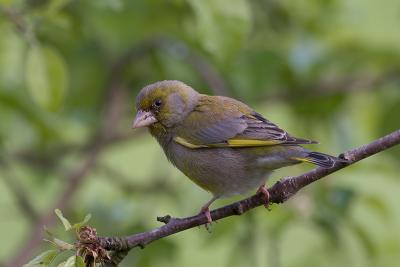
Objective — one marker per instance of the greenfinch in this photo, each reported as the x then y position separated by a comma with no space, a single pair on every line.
220,143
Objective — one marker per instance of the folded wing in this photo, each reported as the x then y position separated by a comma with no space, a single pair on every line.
225,122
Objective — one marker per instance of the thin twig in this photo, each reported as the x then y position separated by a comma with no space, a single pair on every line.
279,193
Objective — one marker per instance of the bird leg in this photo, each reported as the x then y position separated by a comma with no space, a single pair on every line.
264,190
206,211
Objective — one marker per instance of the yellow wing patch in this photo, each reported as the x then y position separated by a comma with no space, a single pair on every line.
187,144
302,159
229,143
251,142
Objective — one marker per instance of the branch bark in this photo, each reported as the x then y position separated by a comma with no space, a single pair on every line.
279,193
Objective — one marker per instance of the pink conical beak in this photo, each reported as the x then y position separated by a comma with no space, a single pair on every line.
143,119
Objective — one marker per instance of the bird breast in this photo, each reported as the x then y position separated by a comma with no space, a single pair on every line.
221,171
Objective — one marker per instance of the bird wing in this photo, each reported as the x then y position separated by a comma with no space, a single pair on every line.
225,122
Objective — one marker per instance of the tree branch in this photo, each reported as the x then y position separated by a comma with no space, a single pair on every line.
279,193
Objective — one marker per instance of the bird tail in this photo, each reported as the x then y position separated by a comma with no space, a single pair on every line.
321,159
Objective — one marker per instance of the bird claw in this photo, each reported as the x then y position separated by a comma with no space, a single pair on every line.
264,190
206,212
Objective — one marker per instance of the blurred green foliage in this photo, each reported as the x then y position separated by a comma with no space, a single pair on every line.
324,70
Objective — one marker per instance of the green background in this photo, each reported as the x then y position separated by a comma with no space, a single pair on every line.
327,70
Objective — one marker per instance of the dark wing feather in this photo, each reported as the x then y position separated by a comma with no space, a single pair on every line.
260,128
236,126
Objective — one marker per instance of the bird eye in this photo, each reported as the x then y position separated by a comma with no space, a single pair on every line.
157,103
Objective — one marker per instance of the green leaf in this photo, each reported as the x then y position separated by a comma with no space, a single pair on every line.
70,262
46,77
73,261
43,260
65,222
62,245
82,223
79,262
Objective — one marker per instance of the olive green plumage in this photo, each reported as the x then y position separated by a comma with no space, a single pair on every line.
220,143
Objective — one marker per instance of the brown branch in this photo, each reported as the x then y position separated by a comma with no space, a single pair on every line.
279,193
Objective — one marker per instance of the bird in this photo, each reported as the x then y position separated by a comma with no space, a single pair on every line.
218,142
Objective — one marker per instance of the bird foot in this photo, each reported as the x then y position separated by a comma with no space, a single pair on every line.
264,190
206,212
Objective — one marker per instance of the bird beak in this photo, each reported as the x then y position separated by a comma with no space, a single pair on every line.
143,119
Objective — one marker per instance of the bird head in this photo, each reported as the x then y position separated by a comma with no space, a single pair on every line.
166,103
